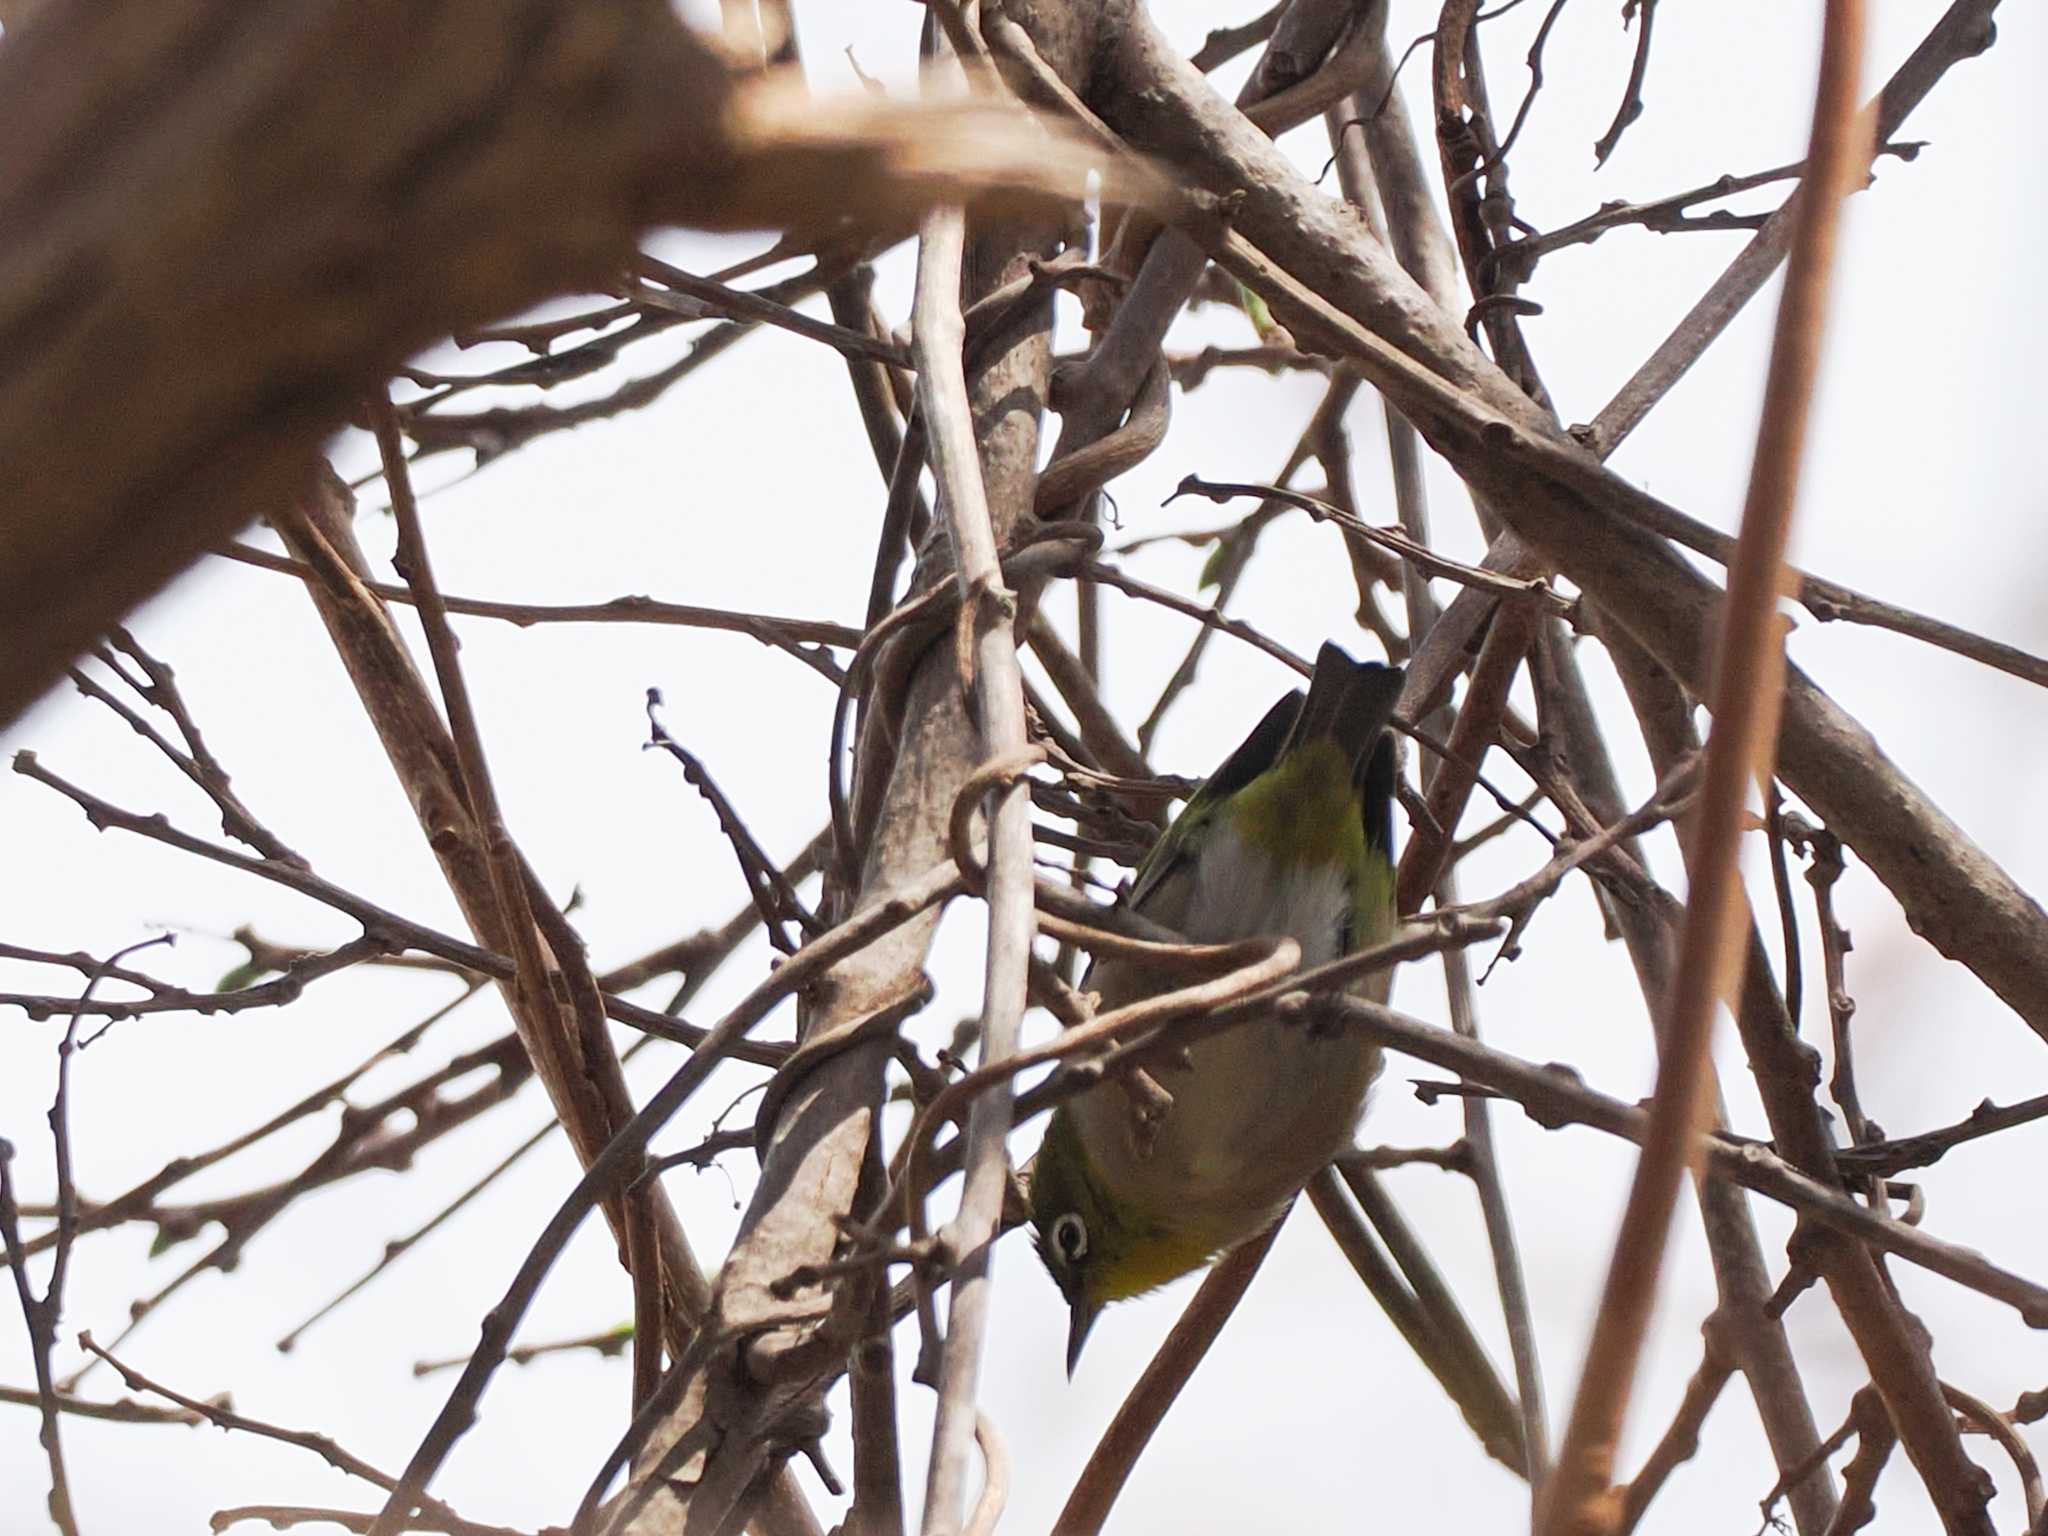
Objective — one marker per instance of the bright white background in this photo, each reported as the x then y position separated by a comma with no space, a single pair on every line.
751,486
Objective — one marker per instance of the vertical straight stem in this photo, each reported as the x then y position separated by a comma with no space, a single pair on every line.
1748,686
1403,216
937,337
1500,1231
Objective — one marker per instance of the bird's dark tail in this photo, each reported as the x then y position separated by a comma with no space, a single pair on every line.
1349,702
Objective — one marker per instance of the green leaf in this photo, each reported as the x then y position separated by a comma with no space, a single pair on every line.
1255,307
247,974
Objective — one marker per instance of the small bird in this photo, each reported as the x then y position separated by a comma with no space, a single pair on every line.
1291,836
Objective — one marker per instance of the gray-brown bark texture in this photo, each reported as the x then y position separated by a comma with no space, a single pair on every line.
920,741
225,224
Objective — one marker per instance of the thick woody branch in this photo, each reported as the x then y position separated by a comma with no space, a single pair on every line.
1335,286
886,912
917,746
554,1000
427,760
1964,31
294,201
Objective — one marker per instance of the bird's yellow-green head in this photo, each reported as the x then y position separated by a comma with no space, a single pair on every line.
1097,1248
1311,790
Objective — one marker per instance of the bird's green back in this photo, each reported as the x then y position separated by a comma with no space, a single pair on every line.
1312,787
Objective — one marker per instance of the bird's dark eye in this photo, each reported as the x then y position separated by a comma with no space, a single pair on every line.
1070,1237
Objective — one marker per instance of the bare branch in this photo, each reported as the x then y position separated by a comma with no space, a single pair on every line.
987,662
1748,672
625,1150
376,921
1152,1395
222,1417
619,610
1631,108
1554,1096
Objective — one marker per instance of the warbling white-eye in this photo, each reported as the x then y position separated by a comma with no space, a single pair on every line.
1292,835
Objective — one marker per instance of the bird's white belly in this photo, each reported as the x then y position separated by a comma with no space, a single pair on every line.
1260,1107
1240,893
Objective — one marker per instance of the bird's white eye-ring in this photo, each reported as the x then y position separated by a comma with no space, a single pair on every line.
1070,1237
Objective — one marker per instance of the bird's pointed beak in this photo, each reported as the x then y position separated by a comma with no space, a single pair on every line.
1080,1318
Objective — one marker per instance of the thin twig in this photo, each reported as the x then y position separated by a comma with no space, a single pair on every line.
195,761
1426,857
1963,31
1875,1439
1987,1420
765,627
1145,1406
1798,1473
1421,555
1631,107
223,1417
1883,1159
1825,866
606,1344
126,1411
42,1313
738,304
139,1203
773,894
1225,43
1534,59
1781,888
41,1331
1227,566
1453,1356
1667,215
1517,1312
282,989
363,1141
877,1508
375,919
1554,1096
1449,1345
279,1517
1681,1438
625,1150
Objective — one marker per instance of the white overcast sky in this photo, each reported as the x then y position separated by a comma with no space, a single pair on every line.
1924,486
